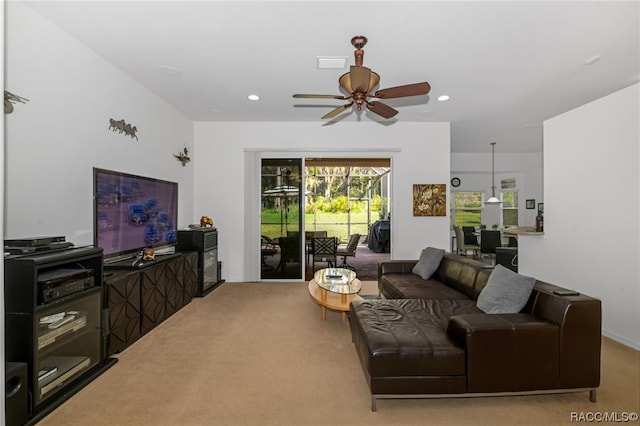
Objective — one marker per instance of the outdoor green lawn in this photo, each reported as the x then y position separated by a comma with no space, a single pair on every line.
334,223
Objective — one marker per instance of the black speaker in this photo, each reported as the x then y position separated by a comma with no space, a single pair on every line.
15,391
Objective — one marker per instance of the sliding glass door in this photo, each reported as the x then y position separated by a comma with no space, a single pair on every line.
282,199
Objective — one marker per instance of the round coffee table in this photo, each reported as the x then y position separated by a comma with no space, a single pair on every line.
334,288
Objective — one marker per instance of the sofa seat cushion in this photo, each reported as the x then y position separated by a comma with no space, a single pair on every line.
410,286
408,337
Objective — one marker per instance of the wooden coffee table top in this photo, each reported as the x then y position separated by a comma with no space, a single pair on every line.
333,301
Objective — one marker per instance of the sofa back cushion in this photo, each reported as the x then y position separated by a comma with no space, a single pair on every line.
465,275
481,281
506,292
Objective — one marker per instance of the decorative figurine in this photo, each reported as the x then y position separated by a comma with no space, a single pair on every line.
183,156
148,254
206,222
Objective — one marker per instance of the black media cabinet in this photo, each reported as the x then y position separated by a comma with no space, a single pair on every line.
54,324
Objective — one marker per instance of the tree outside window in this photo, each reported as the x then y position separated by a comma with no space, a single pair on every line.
509,208
467,208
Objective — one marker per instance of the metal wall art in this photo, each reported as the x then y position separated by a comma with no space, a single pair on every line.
10,99
183,156
430,199
122,127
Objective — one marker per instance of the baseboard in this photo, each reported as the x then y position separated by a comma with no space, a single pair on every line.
621,339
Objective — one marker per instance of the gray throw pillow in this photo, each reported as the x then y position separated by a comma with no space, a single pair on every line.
506,292
428,263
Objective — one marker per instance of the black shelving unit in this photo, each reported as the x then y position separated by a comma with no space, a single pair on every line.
204,241
55,326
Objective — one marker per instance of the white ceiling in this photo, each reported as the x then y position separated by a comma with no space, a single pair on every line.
507,66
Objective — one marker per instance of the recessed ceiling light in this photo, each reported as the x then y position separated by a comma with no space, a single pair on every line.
170,71
253,97
443,98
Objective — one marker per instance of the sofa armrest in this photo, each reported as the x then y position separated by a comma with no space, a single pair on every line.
507,352
580,320
396,267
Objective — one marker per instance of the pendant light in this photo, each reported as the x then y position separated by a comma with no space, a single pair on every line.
493,199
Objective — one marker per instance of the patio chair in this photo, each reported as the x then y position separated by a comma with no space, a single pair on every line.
348,250
308,235
323,249
267,248
289,252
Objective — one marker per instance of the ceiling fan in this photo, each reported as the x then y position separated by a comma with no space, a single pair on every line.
360,81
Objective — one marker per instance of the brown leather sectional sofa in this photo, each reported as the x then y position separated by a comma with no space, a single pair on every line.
427,338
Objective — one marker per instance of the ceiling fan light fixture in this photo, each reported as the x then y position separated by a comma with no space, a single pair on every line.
345,82
443,98
253,97
373,81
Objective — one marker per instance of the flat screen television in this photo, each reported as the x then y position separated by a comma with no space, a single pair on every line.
132,213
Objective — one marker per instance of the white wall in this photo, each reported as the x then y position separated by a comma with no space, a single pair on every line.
419,151
592,209
2,331
52,142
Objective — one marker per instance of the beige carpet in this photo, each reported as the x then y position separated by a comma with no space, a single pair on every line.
259,354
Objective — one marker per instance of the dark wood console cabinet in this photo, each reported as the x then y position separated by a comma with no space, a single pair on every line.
138,300
124,307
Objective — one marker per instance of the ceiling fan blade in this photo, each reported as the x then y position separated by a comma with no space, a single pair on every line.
311,96
360,78
407,90
337,111
381,109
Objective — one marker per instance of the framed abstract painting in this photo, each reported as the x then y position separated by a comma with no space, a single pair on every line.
430,199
